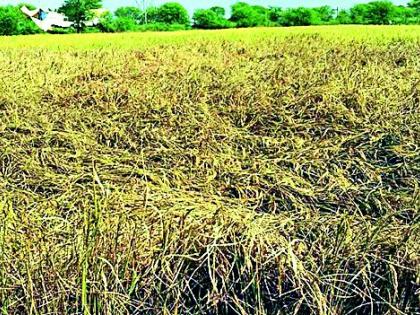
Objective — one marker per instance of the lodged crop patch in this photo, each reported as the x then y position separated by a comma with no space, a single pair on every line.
249,175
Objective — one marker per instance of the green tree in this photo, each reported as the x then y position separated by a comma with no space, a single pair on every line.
220,11
381,12
344,17
415,4
245,15
79,11
359,14
209,19
324,14
8,21
150,15
403,15
125,24
106,24
274,15
112,24
172,13
376,12
297,17
14,22
132,13
414,13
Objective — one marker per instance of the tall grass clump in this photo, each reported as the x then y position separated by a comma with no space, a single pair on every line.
263,175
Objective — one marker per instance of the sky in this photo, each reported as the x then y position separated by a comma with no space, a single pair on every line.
191,5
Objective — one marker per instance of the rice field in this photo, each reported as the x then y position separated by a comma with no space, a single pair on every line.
257,171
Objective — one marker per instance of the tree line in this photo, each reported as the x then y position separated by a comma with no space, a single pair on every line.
173,16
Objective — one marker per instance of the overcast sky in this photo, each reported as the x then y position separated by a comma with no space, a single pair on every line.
191,5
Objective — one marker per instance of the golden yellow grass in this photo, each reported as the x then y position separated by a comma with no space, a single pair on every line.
266,171
367,33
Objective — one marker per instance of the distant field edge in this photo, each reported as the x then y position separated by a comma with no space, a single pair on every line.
137,40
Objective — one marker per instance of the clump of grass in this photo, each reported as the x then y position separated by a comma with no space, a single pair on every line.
274,175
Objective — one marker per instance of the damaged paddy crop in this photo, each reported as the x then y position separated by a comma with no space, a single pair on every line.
232,172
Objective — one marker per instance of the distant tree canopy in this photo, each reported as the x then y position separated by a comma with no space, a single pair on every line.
125,19
324,14
211,19
169,16
245,15
132,13
377,12
415,4
173,16
343,17
14,22
297,17
119,23
219,11
172,13
79,11
414,15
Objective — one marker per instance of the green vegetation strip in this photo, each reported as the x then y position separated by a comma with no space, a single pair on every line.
88,16
179,40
